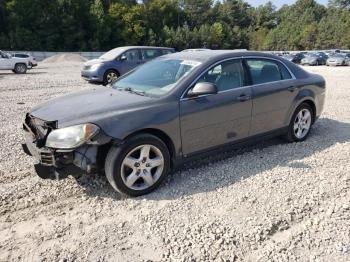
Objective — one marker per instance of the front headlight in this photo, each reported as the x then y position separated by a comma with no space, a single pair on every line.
71,137
95,66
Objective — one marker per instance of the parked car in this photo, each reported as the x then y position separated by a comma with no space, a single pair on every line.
119,61
32,60
195,49
340,59
295,58
169,110
314,59
16,64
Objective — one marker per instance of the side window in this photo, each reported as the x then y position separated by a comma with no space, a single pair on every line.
151,53
226,75
165,52
132,55
263,70
285,73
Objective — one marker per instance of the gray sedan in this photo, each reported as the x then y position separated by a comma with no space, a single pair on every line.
170,109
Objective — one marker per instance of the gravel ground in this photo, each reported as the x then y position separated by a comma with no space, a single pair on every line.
269,202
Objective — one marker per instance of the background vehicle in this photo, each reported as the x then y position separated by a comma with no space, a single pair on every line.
32,59
340,59
295,58
171,108
119,61
318,58
17,65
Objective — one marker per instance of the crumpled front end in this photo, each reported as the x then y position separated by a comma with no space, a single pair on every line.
58,163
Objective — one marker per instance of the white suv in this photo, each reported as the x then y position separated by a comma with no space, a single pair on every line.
16,64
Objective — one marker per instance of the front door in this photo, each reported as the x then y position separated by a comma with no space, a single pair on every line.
212,120
133,59
5,62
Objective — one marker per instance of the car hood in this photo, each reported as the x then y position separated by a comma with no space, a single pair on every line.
94,61
88,106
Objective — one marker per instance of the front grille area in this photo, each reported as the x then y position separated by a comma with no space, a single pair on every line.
39,129
47,158
87,67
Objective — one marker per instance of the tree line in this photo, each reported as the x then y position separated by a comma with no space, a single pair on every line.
98,25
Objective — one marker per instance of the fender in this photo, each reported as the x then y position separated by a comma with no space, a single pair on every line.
305,94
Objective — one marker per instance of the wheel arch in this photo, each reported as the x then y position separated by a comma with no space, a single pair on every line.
306,99
103,149
159,134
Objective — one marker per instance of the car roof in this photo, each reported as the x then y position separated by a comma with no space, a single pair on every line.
207,55
147,47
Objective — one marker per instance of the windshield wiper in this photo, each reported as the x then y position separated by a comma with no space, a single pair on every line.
133,91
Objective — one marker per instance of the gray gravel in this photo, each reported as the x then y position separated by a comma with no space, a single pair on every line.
269,202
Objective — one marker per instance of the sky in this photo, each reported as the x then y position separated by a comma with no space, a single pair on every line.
279,3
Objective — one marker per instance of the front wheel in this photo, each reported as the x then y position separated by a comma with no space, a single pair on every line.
137,166
109,76
20,68
300,124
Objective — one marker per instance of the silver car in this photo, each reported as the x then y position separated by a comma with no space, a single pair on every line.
339,59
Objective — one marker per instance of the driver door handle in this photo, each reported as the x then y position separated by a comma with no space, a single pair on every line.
243,97
291,88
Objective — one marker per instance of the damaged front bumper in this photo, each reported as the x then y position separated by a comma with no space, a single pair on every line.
58,163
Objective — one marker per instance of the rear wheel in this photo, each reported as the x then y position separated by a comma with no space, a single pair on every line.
109,76
300,124
137,166
20,68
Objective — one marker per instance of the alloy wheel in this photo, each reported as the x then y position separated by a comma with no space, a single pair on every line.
111,76
302,123
142,167
21,68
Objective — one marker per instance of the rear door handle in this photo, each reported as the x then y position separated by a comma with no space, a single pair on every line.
243,98
291,88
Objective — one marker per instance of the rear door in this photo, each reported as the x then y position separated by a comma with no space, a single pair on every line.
212,120
149,54
273,89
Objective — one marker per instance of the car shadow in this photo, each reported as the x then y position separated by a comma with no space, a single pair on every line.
28,73
235,165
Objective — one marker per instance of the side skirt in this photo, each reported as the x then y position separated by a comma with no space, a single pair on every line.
229,146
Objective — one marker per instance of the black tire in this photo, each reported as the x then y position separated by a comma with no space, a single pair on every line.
290,136
106,79
115,158
20,68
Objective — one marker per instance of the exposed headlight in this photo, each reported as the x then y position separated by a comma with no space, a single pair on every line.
71,137
95,66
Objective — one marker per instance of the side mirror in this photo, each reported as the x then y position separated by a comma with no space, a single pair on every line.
203,88
123,58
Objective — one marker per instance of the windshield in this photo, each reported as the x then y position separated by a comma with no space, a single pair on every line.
157,77
112,54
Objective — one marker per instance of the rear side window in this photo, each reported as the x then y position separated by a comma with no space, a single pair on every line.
151,53
165,52
284,72
265,70
21,56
